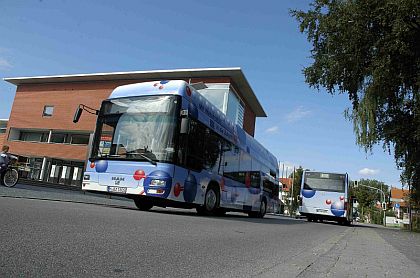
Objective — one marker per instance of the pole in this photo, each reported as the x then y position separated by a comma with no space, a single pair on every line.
384,208
293,181
410,225
282,171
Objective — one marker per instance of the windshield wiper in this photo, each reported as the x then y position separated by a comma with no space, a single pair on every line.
148,159
143,156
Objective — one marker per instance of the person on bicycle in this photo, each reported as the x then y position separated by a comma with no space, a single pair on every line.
4,158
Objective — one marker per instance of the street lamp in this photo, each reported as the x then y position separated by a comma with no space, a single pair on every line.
383,204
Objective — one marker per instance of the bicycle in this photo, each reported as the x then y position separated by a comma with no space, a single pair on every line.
9,176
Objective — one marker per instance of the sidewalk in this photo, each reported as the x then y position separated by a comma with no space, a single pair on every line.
57,194
360,251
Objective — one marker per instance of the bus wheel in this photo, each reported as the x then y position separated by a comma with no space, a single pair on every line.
261,213
143,205
211,201
221,212
263,209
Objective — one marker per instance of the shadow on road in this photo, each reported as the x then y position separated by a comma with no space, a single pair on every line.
268,219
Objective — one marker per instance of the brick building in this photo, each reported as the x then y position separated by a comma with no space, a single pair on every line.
3,127
54,149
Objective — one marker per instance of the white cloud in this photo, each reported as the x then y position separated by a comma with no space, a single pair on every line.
297,114
4,64
273,129
368,172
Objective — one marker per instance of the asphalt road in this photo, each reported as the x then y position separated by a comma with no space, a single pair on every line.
52,238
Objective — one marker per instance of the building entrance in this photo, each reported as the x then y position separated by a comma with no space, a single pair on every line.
64,172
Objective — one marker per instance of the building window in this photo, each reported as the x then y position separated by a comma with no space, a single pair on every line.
79,139
48,111
33,136
3,126
59,138
70,138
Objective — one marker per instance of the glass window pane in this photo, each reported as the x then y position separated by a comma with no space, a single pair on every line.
79,139
48,110
58,137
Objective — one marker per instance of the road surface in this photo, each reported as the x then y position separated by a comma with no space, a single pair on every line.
40,237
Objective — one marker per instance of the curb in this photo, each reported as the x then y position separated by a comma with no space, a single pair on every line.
63,201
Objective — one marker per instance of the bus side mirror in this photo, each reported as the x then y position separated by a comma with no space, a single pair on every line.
185,124
77,114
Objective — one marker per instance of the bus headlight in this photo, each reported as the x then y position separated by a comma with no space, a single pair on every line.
86,177
157,183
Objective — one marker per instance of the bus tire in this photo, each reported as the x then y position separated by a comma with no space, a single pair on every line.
143,205
211,201
261,213
221,212
263,209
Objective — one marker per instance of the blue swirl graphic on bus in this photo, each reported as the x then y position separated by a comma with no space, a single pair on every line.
307,193
337,208
190,188
101,166
155,189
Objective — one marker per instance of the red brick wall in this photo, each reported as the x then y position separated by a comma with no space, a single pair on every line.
29,104
2,138
249,121
61,151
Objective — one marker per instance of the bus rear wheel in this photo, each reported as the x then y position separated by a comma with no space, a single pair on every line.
143,205
261,213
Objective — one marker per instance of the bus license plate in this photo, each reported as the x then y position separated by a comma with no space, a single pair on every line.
117,189
322,210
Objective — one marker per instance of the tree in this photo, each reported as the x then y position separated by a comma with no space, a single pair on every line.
297,181
371,51
368,198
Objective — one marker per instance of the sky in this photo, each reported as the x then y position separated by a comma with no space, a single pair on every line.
305,127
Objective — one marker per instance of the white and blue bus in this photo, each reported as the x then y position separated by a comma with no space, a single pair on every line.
163,144
325,196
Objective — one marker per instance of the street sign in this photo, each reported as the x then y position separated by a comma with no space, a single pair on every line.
397,205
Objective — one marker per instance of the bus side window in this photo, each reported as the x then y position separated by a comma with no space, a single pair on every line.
196,140
255,179
212,151
231,162
269,188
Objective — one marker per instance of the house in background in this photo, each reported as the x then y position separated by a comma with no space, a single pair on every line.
285,192
397,200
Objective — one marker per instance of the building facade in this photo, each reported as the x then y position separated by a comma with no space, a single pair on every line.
52,148
3,128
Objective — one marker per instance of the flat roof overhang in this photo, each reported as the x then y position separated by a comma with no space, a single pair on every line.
235,74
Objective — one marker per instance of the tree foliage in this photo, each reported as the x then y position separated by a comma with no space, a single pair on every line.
368,198
370,50
297,181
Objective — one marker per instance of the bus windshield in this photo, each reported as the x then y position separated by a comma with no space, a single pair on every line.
324,182
137,128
